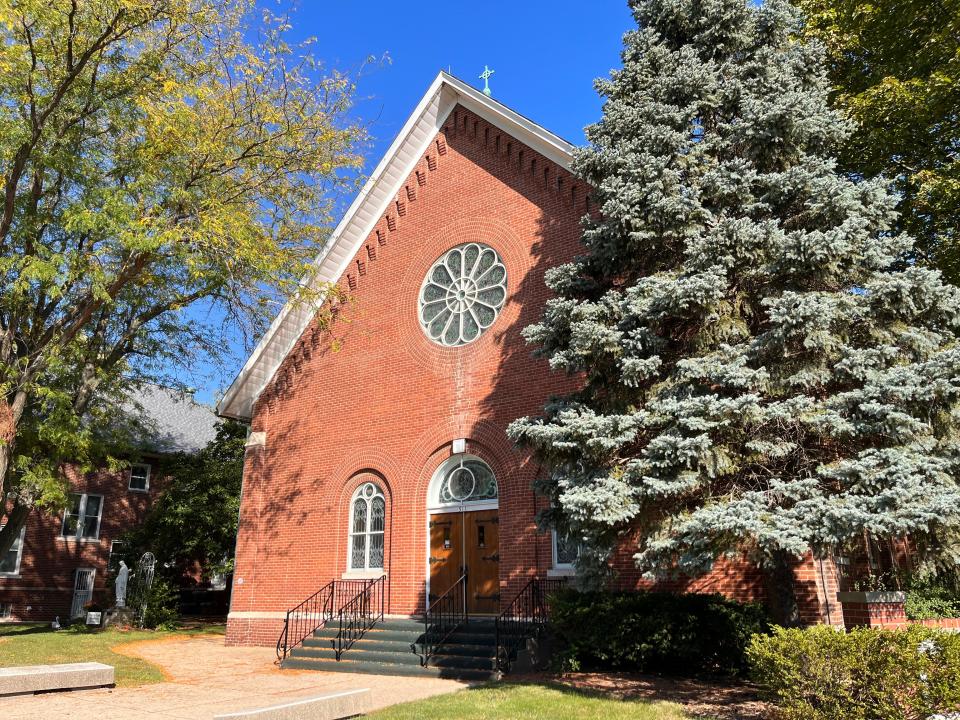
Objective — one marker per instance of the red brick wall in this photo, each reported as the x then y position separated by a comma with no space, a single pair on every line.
888,615
388,402
44,587
874,614
945,623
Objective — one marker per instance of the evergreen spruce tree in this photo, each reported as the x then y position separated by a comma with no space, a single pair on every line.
763,370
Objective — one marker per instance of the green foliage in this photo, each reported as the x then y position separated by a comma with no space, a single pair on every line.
764,370
681,634
193,523
161,612
932,597
169,173
895,68
866,674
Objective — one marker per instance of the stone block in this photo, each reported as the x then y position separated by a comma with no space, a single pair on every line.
326,707
43,678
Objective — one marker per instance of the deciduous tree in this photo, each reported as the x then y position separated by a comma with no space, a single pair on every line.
156,156
193,523
895,70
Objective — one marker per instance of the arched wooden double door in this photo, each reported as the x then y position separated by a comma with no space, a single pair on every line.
467,541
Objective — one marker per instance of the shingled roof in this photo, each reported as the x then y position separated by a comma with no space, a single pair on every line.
172,421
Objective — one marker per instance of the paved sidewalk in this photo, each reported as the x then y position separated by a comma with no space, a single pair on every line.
205,679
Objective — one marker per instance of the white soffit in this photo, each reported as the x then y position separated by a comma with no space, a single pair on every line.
366,211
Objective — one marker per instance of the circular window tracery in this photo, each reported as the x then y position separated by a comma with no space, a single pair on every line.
466,480
462,294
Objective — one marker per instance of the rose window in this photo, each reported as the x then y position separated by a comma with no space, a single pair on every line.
462,294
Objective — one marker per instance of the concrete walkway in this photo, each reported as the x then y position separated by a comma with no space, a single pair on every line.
205,679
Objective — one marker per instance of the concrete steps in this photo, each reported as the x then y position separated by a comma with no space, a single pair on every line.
394,647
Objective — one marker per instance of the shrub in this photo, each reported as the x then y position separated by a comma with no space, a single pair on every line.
162,604
931,598
820,673
669,633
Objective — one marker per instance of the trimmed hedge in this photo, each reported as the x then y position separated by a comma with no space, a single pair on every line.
820,673
670,633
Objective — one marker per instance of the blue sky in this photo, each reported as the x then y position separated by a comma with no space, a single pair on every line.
545,56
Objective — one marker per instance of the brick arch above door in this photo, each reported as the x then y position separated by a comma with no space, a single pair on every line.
484,440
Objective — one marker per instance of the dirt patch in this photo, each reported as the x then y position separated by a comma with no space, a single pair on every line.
131,650
700,698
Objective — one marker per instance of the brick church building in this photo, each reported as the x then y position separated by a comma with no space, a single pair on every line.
378,444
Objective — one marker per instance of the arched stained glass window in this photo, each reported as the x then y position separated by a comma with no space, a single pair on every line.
367,520
467,480
462,294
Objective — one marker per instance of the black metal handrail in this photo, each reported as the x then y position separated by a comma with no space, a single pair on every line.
314,612
443,617
524,618
359,615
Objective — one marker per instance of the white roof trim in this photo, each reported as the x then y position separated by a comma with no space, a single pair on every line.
366,211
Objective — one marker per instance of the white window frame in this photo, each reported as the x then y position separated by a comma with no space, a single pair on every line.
366,570
16,568
6,610
557,567
146,481
83,515
461,295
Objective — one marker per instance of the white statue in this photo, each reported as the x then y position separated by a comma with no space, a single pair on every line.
120,584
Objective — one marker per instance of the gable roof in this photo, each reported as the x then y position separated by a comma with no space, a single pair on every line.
387,179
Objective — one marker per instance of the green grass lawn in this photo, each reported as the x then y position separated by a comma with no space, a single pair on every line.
39,645
530,702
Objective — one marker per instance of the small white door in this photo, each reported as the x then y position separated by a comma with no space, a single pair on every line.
82,590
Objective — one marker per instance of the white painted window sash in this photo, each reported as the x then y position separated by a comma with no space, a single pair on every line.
145,476
16,566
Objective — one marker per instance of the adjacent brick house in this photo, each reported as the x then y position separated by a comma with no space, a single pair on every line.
62,562
377,447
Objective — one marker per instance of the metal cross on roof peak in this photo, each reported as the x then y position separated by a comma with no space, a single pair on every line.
485,76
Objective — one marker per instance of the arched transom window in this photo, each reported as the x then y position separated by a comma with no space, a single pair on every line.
466,479
367,515
462,294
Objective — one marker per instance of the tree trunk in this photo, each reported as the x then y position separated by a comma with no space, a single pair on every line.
16,518
781,590
15,513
